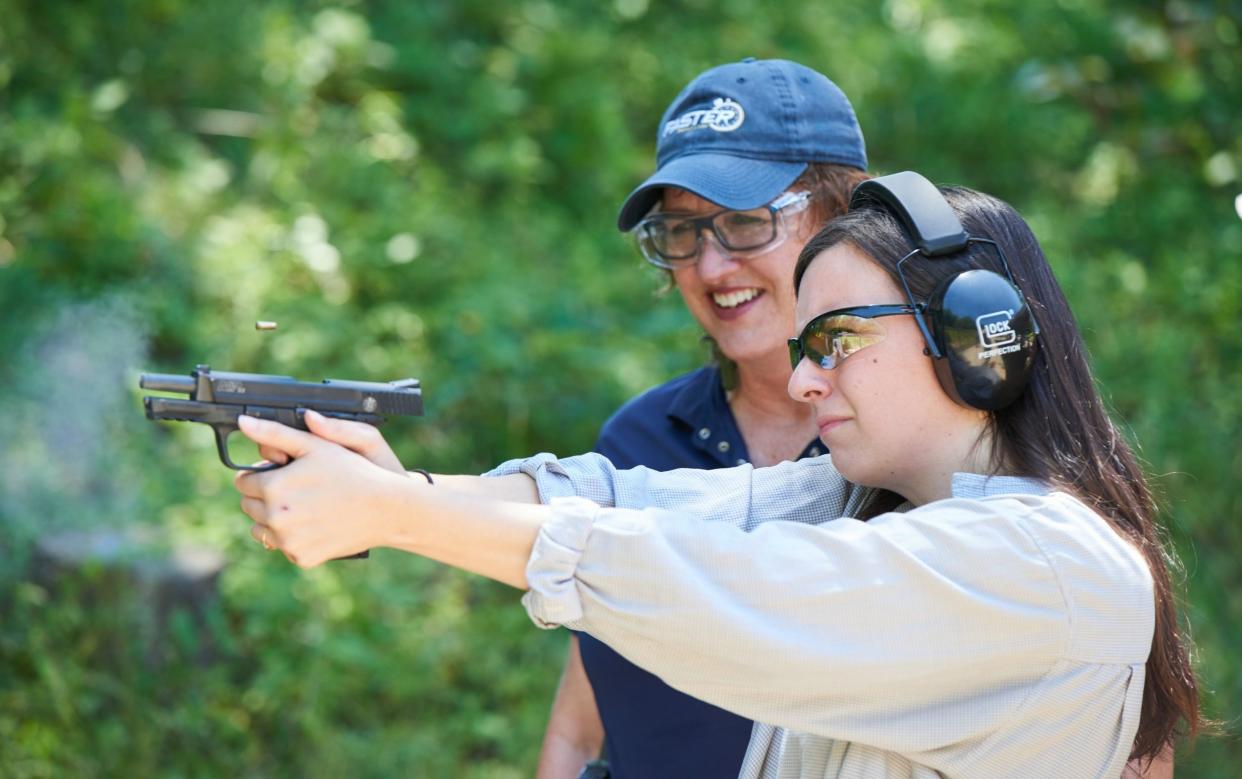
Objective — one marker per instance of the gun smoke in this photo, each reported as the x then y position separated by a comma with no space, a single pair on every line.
66,461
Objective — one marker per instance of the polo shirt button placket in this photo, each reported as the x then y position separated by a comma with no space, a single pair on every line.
704,433
723,446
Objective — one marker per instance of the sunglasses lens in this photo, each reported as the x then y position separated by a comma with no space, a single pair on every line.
829,340
795,352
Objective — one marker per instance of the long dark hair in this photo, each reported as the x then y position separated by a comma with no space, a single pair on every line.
1059,429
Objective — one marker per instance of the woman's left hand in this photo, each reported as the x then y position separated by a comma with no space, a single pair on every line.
327,502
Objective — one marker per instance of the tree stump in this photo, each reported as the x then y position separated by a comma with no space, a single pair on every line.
166,592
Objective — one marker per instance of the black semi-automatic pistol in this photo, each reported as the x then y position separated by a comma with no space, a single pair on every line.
216,399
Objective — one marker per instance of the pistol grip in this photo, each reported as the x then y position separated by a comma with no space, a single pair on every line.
222,437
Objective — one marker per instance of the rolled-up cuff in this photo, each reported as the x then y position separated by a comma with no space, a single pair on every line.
551,478
553,599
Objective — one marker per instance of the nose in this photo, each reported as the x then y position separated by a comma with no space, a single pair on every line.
715,261
809,382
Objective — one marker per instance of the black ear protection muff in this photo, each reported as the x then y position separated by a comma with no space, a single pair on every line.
979,331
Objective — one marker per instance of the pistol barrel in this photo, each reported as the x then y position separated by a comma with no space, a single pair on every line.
167,382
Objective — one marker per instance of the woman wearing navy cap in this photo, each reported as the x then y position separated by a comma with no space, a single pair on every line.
1012,617
751,159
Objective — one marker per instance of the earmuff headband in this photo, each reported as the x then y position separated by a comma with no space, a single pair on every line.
920,208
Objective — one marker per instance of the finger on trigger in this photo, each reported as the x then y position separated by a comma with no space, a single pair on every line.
294,443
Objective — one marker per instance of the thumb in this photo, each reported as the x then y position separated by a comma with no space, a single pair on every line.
357,436
274,435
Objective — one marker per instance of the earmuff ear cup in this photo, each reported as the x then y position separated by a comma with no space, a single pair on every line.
986,334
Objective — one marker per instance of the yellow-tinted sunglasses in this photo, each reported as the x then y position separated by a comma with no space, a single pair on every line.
832,336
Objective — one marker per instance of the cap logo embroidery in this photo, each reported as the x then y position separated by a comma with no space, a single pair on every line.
725,116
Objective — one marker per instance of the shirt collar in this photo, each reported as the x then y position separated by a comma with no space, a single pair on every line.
701,400
977,485
703,408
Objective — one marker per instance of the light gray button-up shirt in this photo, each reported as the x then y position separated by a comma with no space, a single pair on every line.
1002,632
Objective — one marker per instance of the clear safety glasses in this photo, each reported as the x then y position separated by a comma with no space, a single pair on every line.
674,241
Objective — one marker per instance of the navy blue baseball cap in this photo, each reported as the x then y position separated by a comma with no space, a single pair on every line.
740,134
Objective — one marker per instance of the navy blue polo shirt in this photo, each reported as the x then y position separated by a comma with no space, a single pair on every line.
652,730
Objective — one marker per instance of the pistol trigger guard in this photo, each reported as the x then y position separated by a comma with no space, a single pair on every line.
222,446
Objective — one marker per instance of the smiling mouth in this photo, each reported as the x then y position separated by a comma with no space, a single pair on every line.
735,298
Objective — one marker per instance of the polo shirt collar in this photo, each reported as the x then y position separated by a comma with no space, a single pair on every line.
702,410
701,401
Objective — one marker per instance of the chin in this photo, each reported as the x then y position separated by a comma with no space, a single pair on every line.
842,462
746,349
855,471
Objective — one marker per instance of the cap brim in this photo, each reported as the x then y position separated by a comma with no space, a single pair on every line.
731,182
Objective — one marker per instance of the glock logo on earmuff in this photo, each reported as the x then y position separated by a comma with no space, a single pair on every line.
995,330
996,334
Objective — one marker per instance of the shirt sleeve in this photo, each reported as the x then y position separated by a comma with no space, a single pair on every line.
908,632
743,496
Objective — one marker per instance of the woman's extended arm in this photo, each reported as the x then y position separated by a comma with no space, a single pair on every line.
806,491
332,502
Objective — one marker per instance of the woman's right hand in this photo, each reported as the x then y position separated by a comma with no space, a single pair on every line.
359,437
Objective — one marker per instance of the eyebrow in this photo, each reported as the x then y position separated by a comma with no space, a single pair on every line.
688,212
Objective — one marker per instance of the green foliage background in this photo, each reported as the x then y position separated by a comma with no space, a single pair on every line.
429,189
